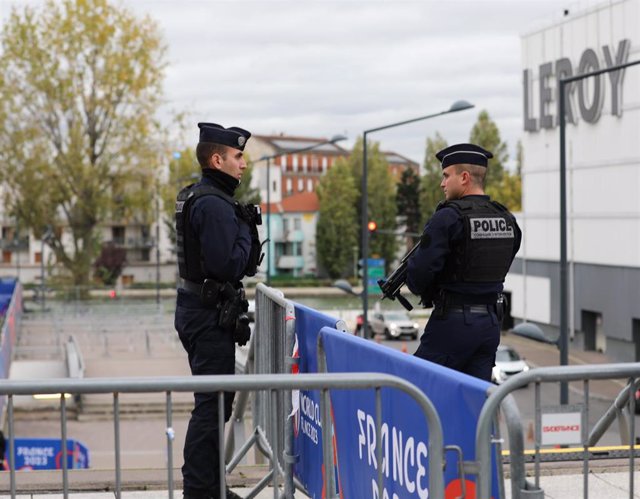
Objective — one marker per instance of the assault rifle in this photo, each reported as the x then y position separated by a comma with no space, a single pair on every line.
391,285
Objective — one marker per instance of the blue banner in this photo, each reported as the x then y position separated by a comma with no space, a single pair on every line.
46,454
458,399
307,428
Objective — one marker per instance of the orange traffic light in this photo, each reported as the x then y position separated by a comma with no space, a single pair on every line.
372,226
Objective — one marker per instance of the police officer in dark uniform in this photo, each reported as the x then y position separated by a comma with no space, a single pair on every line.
465,252
218,245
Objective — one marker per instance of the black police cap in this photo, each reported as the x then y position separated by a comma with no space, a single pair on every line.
464,153
233,136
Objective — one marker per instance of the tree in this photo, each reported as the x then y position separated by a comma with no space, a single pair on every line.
381,205
485,133
80,82
430,191
109,265
511,187
337,229
408,200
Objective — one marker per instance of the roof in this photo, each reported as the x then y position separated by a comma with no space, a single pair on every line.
393,158
284,144
301,202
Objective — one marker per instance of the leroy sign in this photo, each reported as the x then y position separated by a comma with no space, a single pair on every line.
590,90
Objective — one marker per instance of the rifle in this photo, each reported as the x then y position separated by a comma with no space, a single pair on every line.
391,285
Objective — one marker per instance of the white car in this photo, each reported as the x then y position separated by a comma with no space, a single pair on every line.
508,364
394,324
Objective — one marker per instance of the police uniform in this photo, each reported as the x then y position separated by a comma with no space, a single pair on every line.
214,252
465,252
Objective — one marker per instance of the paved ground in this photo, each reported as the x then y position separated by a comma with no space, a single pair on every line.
150,349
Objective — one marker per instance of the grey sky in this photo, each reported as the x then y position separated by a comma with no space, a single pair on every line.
322,67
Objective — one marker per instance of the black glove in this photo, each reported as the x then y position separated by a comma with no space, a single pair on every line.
242,332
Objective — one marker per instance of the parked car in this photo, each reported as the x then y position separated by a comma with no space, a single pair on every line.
508,364
392,324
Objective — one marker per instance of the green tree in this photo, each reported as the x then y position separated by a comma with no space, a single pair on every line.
80,82
430,191
485,133
337,229
381,198
511,186
408,200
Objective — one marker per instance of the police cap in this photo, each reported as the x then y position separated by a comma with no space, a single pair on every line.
463,154
233,136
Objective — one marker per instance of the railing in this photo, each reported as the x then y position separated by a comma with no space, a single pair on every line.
484,440
272,384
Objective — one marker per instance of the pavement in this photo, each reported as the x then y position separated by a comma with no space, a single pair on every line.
606,479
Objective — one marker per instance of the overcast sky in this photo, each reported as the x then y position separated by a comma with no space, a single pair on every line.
324,67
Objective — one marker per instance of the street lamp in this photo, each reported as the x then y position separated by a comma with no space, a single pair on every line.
268,158
563,338
460,105
46,237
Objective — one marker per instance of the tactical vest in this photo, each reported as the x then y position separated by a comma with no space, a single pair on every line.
486,251
190,264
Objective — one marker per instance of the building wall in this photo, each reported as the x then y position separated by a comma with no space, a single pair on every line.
603,174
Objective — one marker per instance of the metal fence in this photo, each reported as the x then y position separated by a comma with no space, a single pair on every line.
270,352
272,385
500,397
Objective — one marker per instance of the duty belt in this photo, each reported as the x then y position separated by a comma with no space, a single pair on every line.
473,309
194,287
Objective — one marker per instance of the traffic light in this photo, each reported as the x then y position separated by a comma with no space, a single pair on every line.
372,226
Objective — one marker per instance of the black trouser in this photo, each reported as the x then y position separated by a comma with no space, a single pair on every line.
211,350
465,339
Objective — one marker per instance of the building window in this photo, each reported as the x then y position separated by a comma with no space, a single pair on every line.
297,224
289,186
146,255
300,185
298,249
314,163
309,185
305,163
295,162
324,164
285,225
117,235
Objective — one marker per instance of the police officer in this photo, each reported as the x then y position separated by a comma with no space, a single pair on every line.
465,252
217,246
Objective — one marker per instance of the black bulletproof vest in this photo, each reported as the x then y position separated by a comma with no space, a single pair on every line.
190,265
486,251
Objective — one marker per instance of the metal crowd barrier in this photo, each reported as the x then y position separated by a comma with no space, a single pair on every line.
273,384
500,398
270,352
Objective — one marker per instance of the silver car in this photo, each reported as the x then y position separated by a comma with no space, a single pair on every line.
508,363
394,324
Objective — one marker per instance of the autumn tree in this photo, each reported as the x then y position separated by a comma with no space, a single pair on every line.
430,191
80,82
337,229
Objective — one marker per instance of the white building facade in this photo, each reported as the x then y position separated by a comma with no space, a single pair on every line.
602,174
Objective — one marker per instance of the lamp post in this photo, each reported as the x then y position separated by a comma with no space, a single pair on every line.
46,236
460,105
333,140
157,244
563,338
